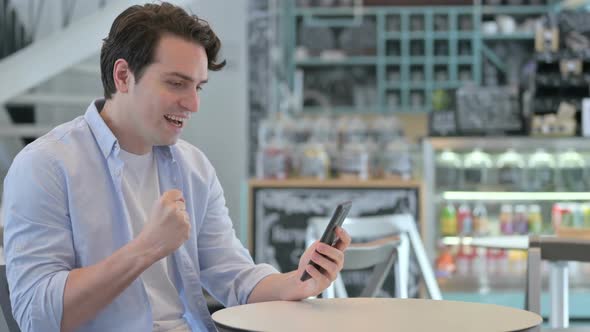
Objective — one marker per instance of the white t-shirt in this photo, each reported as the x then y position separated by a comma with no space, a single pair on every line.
141,189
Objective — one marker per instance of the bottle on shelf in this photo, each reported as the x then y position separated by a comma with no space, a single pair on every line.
520,220
577,216
445,263
506,219
448,220
586,214
556,213
494,261
464,260
516,262
480,219
502,259
464,220
535,219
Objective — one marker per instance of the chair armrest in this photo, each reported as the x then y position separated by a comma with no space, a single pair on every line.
378,242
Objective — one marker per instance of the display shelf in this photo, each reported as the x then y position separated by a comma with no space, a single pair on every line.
480,284
344,61
403,53
447,85
498,143
474,278
498,282
498,242
512,36
369,109
397,31
393,60
334,183
515,10
519,196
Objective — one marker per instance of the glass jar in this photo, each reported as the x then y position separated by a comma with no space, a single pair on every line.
324,132
476,169
354,157
541,171
397,160
572,171
510,167
272,161
315,162
448,169
272,157
354,161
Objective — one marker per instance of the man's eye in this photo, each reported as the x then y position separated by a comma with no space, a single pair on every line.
175,84
199,88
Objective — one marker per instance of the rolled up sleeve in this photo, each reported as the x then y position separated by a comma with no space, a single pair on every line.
227,269
38,240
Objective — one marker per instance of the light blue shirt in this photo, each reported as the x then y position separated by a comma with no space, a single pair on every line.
64,209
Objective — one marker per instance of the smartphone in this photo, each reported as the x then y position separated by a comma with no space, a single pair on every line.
329,235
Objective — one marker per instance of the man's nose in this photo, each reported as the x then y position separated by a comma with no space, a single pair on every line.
191,102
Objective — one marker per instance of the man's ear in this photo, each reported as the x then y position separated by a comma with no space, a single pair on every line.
122,76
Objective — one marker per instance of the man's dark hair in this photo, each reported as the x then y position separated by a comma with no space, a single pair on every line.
135,33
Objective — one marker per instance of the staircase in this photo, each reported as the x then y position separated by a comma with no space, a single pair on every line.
49,65
13,37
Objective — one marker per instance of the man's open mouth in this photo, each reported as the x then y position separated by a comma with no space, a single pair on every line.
175,120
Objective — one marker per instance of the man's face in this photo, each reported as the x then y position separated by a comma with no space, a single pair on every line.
162,102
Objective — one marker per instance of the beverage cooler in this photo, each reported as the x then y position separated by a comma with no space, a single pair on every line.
502,189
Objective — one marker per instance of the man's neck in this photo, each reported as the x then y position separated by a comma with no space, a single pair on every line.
114,117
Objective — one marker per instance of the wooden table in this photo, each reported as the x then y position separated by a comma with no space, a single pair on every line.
374,314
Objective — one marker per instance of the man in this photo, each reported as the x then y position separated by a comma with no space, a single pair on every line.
114,224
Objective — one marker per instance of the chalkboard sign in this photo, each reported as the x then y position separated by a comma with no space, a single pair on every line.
488,111
281,215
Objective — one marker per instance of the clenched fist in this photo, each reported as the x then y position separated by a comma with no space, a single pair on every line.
168,225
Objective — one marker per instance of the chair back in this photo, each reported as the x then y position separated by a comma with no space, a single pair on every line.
11,324
374,246
384,226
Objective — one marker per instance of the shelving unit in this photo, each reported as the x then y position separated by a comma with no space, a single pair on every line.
551,88
417,50
499,280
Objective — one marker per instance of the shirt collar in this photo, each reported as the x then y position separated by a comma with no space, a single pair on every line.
102,133
107,141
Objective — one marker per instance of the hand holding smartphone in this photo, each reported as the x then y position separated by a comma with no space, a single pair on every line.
329,235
